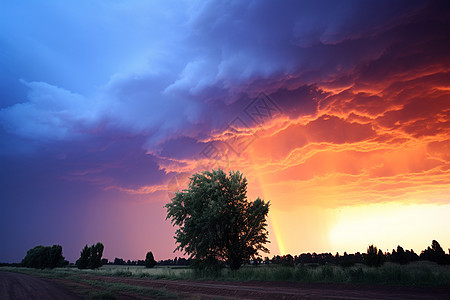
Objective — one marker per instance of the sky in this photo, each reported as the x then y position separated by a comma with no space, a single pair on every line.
337,112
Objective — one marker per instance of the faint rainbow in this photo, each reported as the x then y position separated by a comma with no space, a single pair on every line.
275,233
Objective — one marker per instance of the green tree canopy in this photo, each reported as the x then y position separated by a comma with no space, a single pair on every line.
41,257
216,221
91,257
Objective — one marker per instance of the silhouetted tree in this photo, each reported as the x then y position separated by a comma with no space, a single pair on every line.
435,253
82,262
149,260
400,256
119,261
217,222
90,257
41,257
374,257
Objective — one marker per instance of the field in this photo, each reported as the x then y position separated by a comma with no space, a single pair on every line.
123,282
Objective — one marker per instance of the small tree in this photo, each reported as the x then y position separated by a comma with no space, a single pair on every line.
217,222
82,262
149,260
91,257
374,257
96,256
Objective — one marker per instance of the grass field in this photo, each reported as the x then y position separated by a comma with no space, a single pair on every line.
90,285
422,273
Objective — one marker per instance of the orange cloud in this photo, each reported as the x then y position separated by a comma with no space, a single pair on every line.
377,135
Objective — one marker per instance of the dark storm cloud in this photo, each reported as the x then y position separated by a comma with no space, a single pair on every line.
164,88
176,86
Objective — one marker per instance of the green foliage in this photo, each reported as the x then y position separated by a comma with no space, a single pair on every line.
374,257
217,222
416,273
91,257
82,262
137,291
149,260
122,273
104,295
41,257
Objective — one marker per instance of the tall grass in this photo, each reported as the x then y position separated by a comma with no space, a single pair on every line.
118,287
420,273
416,274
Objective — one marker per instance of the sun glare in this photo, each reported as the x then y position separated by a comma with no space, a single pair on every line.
387,225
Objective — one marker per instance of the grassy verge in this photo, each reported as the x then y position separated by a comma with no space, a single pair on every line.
91,288
414,274
129,289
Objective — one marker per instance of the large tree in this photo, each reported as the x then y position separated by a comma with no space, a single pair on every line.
91,257
41,257
216,220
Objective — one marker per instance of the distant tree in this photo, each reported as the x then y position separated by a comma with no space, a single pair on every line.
119,261
41,257
374,257
287,260
141,262
82,262
399,256
91,257
149,260
217,222
435,253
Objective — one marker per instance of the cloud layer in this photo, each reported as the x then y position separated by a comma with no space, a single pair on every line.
318,103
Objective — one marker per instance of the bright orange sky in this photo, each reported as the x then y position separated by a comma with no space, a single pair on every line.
368,167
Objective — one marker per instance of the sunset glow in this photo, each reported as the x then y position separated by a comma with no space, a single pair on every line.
339,115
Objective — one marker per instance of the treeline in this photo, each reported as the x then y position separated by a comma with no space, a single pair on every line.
167,262
149,261
373,257
42,257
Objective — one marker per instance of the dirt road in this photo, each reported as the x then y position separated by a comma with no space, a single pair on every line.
20,286
281,289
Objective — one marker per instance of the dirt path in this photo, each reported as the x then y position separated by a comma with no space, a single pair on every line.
21,286
281,290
